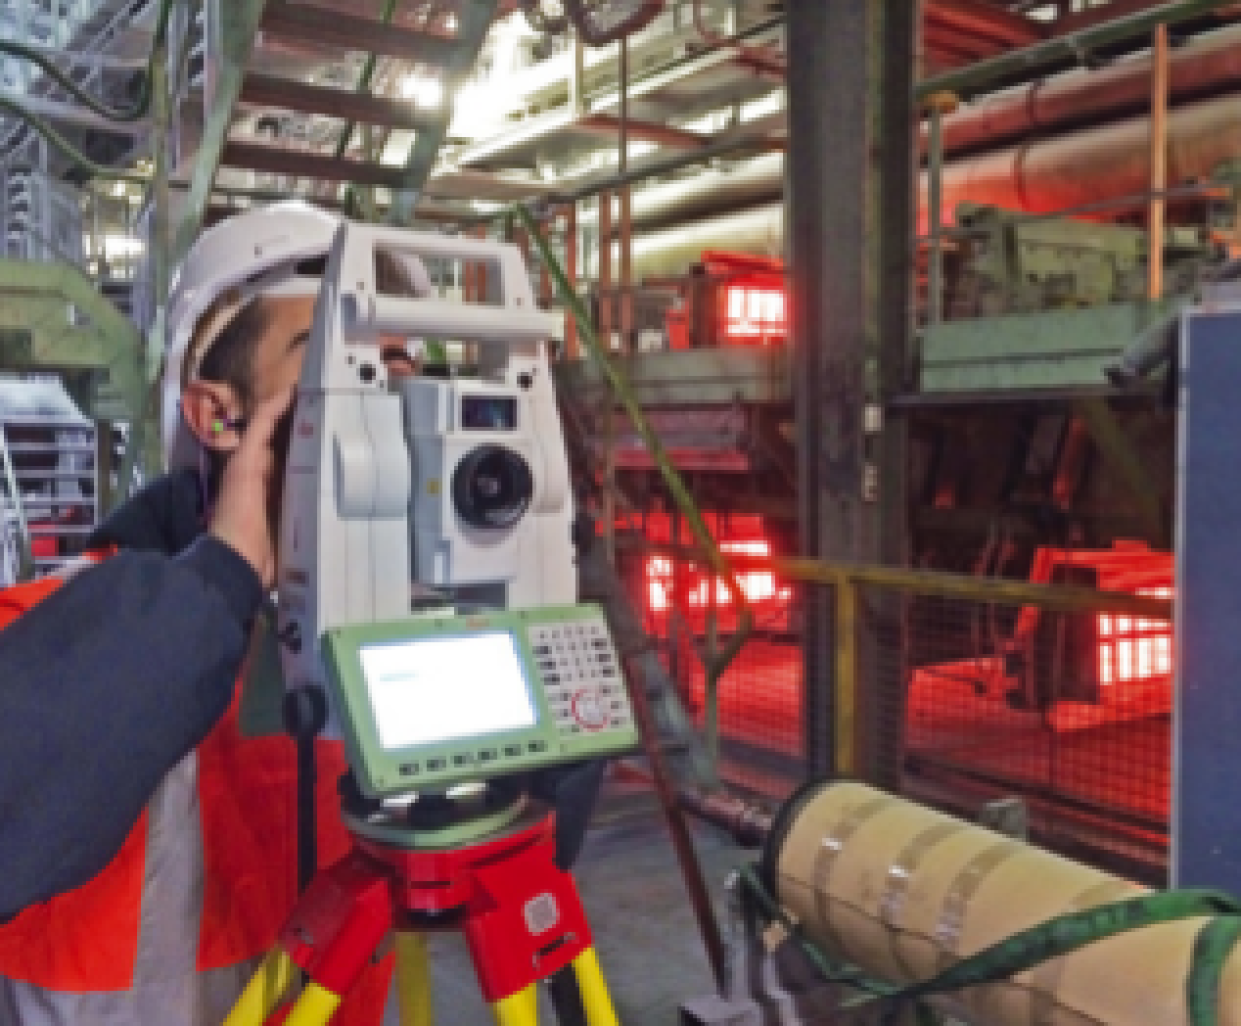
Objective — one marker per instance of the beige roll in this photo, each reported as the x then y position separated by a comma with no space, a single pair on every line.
904,892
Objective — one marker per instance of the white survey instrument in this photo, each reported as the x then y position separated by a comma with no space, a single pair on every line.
394,486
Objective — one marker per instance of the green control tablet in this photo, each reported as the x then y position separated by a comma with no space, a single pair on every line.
429,702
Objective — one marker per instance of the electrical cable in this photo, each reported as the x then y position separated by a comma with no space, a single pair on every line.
143,103
75,155
715,661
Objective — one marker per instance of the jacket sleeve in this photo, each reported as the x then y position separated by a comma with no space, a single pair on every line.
104,687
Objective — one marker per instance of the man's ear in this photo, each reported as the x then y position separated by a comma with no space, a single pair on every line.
209,407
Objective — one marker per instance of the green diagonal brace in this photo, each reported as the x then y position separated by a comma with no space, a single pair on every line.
239,21
474,20
112,342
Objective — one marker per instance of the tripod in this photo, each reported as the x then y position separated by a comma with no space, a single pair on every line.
484,866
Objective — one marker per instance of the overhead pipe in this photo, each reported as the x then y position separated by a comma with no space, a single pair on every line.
1208,67
1025,177
1059,173
708,192
1098,164
1205,67
669,252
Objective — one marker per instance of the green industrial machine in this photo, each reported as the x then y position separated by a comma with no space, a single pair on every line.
1049,302
1012,263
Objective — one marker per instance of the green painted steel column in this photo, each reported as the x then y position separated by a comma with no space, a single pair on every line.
143,445
235,22
473,20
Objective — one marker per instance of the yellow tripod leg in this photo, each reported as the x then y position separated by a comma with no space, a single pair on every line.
314,1008
520,1009
413,979
594,990
264,990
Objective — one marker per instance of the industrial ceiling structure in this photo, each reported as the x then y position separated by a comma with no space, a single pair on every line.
333,94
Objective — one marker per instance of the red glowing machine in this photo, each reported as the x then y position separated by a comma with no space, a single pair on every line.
1071,664
732,299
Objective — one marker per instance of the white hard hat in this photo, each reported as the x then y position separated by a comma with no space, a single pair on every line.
255,253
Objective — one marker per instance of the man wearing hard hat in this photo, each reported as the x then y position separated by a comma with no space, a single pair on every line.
156,888
148,848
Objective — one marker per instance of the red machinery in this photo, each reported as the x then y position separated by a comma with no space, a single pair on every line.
732,299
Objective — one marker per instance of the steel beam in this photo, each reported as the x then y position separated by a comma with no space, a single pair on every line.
651,82
850,216
1004,29
468,184
235,36
759,134
1034,61
307,24
1093,16
647,131
270,91
280,161
473,20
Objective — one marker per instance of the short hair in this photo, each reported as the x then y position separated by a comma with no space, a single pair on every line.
230,360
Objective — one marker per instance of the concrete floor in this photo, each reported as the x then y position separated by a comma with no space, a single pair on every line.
644,929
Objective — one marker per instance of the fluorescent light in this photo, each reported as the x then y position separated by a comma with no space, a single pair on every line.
121,246
423,90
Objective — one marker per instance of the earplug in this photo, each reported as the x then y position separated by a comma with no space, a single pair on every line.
218,426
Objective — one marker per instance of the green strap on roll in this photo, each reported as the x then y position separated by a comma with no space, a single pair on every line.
1212,947
1075,930
1058,937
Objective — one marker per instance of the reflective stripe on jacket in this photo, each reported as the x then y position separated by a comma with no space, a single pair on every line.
168,931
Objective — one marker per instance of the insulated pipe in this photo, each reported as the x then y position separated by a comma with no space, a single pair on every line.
904,892
1097,164
1089,166
709,191
669,253
1208,65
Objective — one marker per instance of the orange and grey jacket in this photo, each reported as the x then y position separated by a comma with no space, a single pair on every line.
147,849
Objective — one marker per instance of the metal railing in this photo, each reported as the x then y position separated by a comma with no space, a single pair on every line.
953,689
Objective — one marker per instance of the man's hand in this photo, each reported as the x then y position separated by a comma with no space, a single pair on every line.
243,518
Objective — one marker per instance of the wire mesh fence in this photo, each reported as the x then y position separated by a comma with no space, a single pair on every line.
1070,711
759,695
960,698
